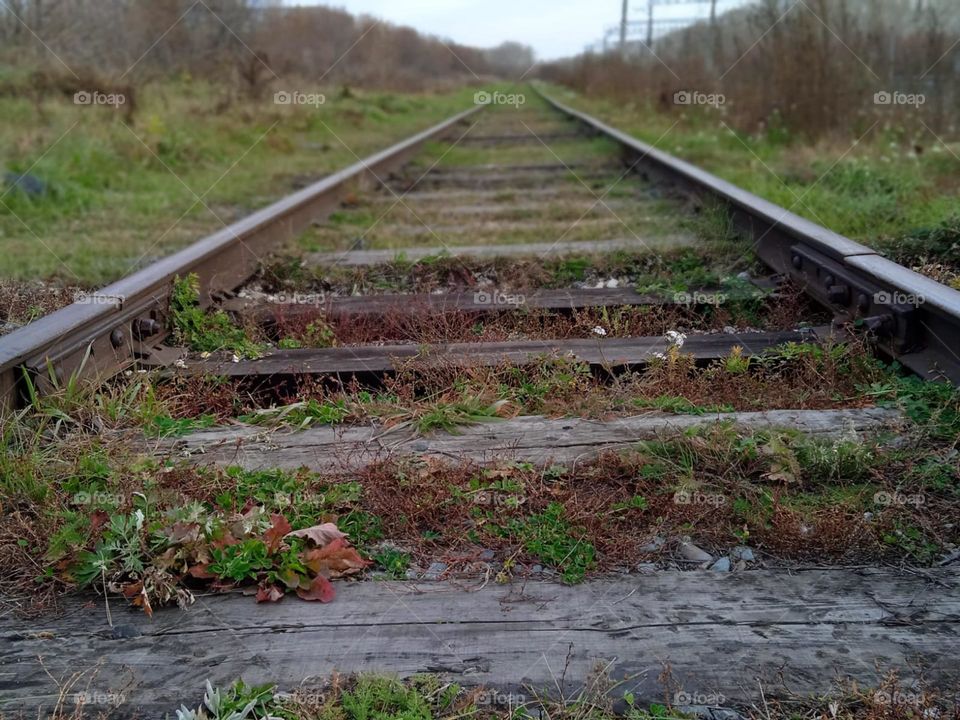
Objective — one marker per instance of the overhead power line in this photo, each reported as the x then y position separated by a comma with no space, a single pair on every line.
630,32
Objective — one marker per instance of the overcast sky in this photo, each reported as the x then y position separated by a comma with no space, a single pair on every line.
555,28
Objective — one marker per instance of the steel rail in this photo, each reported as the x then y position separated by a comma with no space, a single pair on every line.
110,329
915,319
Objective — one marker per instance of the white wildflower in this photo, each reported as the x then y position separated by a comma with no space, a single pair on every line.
180,363
676,339
599,331
659,356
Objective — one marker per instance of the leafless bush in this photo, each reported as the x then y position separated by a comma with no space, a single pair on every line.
812,67
248,42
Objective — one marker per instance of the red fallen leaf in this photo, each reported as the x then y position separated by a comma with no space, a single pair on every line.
319,535
227,540
277,532
320,590
200,572
131,589
335,560
98,518
270,593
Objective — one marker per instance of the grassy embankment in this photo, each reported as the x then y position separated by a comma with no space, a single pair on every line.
880,185
118,194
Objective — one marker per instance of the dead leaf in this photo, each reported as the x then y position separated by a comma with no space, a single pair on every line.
277,532
181,533
131,589
506,409
289,578
222,586
321,590
700,443
335,560
137,595
225,541
319,535
98,518
270,593
778,474
200,572
784,466
168,559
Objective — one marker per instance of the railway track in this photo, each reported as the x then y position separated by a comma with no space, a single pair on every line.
590,285
911,318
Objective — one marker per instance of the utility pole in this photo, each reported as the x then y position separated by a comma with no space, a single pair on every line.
650,25
624,19
714,36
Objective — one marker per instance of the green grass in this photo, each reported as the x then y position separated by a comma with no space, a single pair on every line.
550,537
164,426
302,414
876,190
119,197
450,416
655,269
103,514
680,405
393,562
550,152
203,331
433,697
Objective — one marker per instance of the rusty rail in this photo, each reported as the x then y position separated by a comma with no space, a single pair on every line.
114,327
916,320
